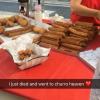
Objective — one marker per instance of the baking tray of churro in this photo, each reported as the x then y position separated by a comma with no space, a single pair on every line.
68,38
14,25
17,25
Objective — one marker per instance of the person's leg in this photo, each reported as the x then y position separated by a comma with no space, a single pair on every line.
95,93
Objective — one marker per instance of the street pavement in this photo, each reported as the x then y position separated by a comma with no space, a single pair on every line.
13,5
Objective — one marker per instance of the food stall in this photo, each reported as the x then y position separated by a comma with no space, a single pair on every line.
55,47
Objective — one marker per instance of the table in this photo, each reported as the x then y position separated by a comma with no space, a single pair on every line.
58,66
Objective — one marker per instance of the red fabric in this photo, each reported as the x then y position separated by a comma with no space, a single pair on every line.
58,66
7,66
94,4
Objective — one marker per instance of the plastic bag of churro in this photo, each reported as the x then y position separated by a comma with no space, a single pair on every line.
24,52
32,62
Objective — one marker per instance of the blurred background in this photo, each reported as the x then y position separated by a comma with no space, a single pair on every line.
62,7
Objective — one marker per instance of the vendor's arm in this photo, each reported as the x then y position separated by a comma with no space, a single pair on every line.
83,10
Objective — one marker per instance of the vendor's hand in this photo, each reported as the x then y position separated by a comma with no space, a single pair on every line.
98,15
1,41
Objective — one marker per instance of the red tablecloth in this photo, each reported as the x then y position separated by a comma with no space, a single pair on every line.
58,66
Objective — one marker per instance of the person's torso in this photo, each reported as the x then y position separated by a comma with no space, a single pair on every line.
94,4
